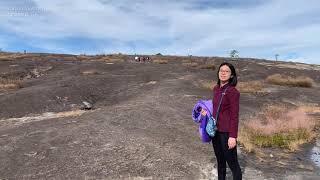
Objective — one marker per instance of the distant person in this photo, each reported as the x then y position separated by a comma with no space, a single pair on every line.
225,141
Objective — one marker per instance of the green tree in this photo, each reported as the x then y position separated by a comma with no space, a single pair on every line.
234,53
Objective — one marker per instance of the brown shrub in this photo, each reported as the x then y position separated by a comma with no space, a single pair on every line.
10,83
282,80
115,60
310,108
186,61
208,66
70,58
250,87
206,84
191,64
160,61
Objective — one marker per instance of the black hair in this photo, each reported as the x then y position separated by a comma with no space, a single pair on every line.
233,79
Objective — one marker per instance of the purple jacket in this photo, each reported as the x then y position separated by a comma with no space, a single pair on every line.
198,118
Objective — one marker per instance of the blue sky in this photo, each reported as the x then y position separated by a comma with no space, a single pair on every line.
255,28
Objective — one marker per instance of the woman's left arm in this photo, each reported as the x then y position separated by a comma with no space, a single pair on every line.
234,97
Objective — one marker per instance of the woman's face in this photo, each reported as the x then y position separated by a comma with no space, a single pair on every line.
224,73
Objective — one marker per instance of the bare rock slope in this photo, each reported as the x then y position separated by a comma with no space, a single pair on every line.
140,125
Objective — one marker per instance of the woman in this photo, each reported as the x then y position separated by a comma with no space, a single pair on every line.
225,141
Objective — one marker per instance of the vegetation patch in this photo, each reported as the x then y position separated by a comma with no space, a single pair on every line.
283,80
10,83
207,66
310,108
186,61
160,61
190,64
206,84
250,87
277,126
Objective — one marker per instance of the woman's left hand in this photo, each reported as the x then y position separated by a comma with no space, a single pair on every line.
203,112
232,142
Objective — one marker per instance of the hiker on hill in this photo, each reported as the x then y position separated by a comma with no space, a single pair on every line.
148,59
225,140
136,58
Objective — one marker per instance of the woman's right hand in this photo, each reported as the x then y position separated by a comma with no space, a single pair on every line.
203,112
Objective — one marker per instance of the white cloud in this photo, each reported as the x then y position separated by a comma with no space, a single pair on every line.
174,27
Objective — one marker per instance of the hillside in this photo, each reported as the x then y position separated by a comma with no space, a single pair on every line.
140,122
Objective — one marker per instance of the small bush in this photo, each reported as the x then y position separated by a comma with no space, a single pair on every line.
115,60
250,87
283,140
186,61
310,108
110,58
10,83
191,64
277,126
282,80
207,84
208,66
160,61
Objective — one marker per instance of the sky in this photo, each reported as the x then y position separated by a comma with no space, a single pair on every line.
255,28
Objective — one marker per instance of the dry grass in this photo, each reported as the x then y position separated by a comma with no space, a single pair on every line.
186,61
277,126
310,108
191,64
244,139
114,60
8,56
160,61
206,84
108,58
10,83
208,66
282,80
13,56
90,72
250,87
71,58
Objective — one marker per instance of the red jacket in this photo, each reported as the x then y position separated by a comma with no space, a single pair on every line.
228,119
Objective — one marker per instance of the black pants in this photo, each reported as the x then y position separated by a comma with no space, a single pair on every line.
225,155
